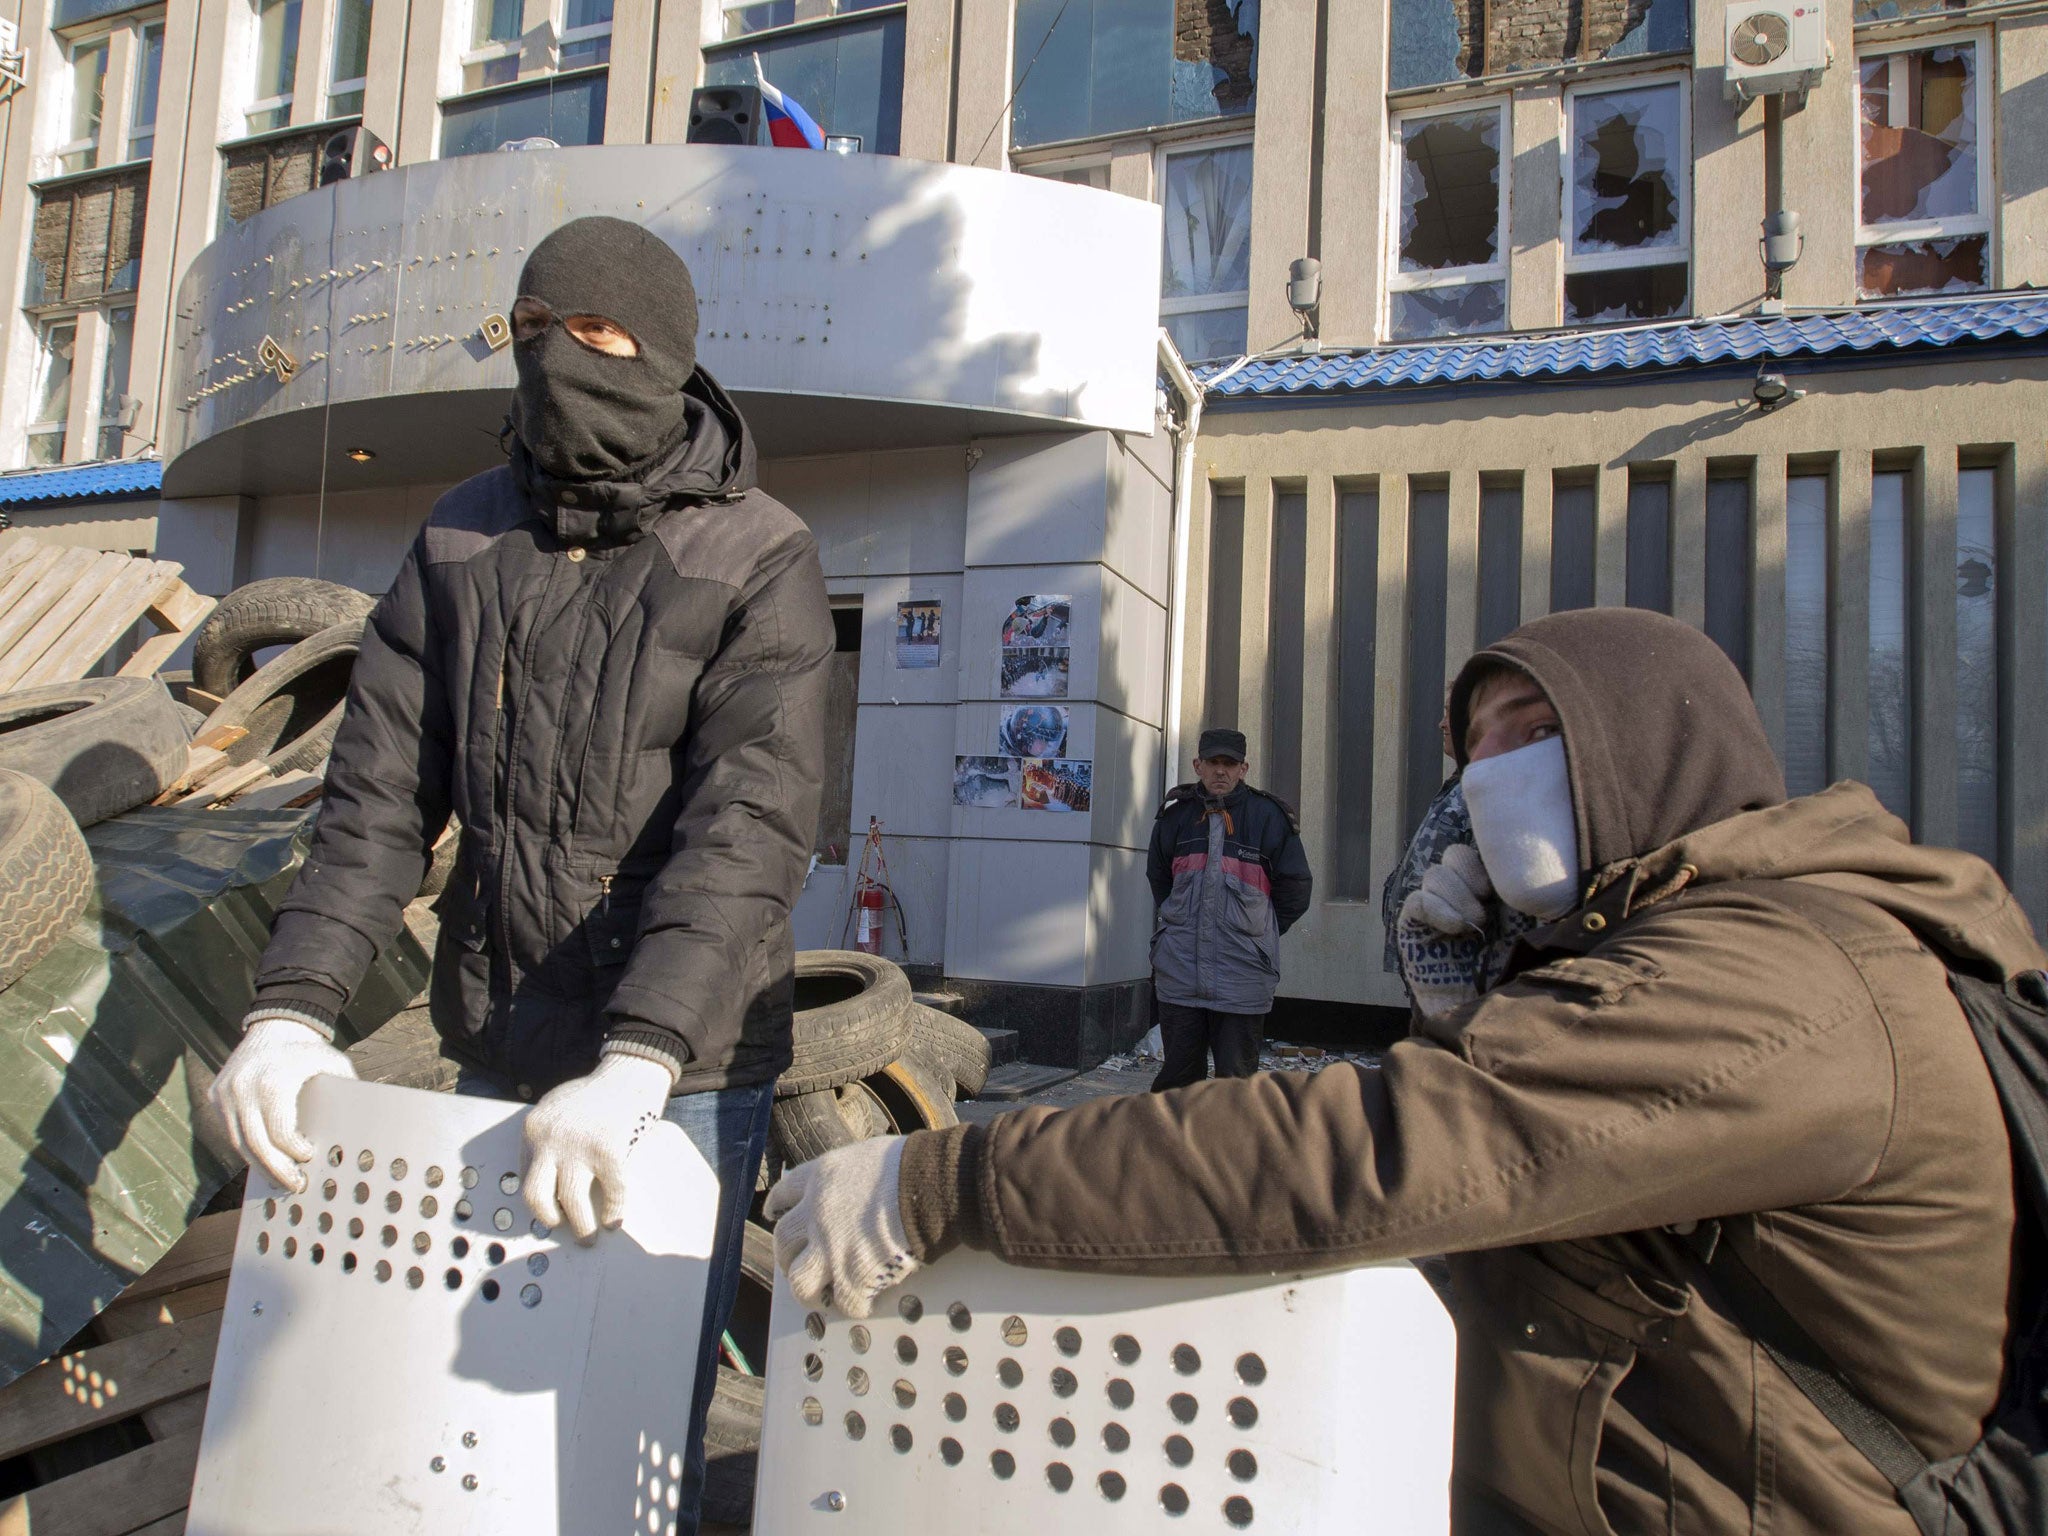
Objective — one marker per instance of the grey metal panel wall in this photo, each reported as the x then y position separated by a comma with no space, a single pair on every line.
1419,549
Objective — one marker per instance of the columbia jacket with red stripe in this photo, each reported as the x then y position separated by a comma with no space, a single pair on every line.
1230,877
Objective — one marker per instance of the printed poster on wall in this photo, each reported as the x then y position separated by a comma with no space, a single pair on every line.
1035,646
1033,730
986,783
917,632
1056,784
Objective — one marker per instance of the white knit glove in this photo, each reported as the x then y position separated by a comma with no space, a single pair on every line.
578,1136
257,1094
1454,892
839,1231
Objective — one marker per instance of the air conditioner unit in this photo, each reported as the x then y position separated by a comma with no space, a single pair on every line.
1775,47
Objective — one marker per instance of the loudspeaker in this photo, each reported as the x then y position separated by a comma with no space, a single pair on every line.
352,152
727,114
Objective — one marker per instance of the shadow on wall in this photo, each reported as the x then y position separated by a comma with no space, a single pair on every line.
925,332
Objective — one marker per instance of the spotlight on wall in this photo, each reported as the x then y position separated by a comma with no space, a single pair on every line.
1305,294
1771,391
361,455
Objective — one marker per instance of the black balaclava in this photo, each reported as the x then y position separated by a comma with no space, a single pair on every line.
583,414
1660,734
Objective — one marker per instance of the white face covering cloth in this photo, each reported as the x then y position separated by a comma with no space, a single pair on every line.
1521,807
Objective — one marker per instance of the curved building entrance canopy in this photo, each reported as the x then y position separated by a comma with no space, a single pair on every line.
847,301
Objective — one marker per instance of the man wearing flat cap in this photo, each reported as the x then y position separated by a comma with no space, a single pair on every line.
1230,876
607,659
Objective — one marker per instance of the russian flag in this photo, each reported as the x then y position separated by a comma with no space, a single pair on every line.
789,125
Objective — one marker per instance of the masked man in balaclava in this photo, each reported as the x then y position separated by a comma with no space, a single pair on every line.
1731,1049
607,659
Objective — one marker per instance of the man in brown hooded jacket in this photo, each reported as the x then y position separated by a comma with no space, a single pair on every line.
1741,1032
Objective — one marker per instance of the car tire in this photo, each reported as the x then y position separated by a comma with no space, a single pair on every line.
281,610
292,707
807,1125
45,869
852,1019
954,1045
732,1447
104,744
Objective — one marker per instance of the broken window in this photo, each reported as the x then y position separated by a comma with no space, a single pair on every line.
1205,285
1087,67
1450,252
1923,227
1628,242
1892,10
1432,41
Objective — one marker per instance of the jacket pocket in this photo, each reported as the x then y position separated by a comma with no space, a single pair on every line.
1541,1356
612,916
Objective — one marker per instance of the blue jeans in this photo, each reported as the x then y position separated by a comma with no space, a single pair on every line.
730,1128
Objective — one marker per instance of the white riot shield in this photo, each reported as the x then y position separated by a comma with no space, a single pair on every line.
1018,1402
406,1350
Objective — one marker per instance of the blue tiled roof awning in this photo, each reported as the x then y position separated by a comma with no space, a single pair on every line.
1689,343
117,479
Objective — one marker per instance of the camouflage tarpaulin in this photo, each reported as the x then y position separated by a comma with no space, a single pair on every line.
106,1047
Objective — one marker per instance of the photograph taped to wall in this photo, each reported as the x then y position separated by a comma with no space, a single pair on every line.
1035,673
1057,784
917,632
1038,620
1033,730
986,783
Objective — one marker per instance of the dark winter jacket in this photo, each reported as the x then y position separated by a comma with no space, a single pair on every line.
1229,878
618,688
1745,1034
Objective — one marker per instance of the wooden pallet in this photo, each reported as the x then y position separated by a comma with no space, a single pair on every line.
62,609
150,1356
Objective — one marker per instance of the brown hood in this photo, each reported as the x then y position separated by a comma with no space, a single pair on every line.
1844,839
1660,734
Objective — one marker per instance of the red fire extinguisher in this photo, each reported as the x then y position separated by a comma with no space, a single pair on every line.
867,933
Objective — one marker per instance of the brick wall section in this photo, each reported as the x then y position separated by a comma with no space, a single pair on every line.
1532,34
1204,30
85,233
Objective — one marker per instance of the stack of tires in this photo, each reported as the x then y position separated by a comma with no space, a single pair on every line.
288,707
870,1060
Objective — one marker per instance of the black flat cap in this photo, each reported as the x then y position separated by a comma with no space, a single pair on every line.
1218,742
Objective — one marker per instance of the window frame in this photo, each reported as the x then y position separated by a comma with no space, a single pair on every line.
283,102
58,426
1197,303
1984,221
343,87
129,129
834,10
514,48
1497,271
1056,168
1680,251
101,38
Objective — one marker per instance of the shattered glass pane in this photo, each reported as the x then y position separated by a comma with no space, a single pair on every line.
1450,191
1628,293
1922,266
1208,222
1625,170
1088,67
1920,134
1892,10
1416,314
1425,44
1432,41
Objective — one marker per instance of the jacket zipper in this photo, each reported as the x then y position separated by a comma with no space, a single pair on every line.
512,765
605,884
